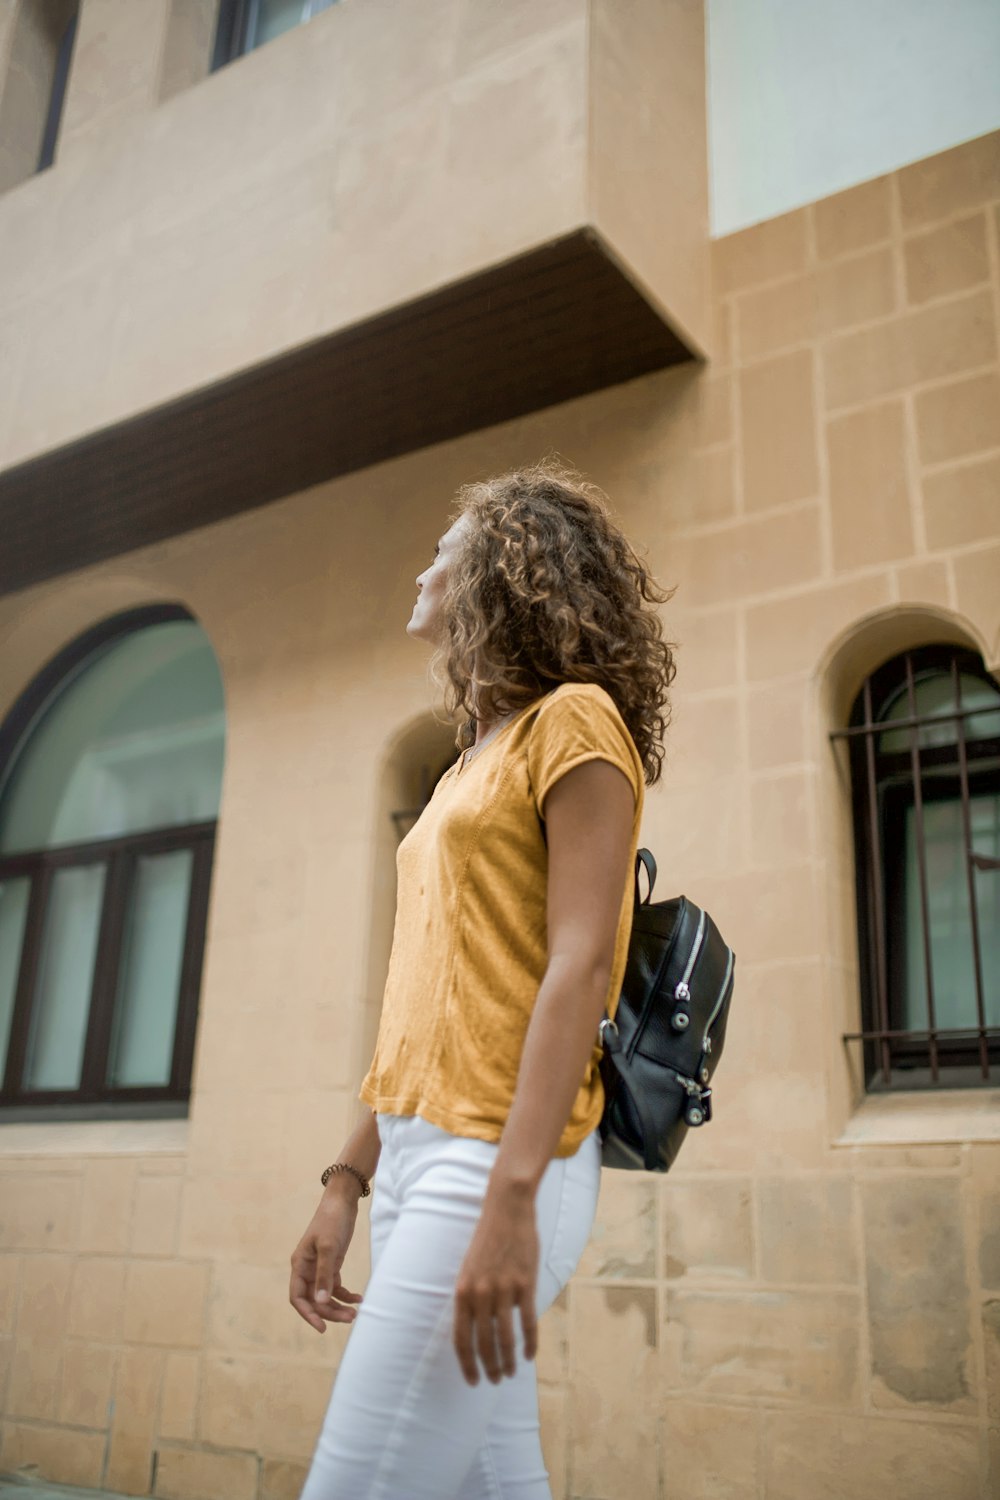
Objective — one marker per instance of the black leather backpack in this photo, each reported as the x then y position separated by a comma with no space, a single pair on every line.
665,1041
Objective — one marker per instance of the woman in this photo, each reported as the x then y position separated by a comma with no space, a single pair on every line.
513,916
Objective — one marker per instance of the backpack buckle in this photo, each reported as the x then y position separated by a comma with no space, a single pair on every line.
698,1110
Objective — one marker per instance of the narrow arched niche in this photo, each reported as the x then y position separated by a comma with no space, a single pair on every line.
415,757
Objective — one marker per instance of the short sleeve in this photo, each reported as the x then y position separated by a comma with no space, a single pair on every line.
580,722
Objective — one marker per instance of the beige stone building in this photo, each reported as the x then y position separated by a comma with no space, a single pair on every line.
267,308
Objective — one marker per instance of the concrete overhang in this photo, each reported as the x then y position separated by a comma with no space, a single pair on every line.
511,212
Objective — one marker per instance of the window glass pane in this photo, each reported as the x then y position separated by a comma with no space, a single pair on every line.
66,970
271,17
134,741
145,1016
14,895
935,694
951,929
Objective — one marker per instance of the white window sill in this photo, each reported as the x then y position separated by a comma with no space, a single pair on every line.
952,1116
94,1138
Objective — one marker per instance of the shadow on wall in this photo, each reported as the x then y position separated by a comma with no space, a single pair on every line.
415,758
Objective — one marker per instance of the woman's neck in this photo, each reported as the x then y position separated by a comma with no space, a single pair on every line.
485,727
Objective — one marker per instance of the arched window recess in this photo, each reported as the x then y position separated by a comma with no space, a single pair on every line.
404,817
110,775
924,745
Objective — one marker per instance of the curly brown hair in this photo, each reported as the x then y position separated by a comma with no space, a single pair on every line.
544,588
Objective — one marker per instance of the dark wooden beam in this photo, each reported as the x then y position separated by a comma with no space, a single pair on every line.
558,322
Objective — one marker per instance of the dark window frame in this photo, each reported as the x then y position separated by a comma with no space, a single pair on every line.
231,27
57,94
93,1099
885,784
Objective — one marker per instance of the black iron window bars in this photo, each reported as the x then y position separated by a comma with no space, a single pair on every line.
924,751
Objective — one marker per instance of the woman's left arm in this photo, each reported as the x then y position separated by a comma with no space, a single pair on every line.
588,822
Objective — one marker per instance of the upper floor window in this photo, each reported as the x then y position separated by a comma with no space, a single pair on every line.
33,87
246,24
57,93
110,774
924,741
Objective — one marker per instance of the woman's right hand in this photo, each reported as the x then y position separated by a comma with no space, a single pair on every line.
316,1290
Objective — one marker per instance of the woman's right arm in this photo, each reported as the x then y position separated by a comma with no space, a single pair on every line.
316,1290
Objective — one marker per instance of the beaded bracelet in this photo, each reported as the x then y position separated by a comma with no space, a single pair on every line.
345,1166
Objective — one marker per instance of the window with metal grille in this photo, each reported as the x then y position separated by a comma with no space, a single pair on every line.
110,775
245,24
924,747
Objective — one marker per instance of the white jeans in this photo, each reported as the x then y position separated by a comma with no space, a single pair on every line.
402,1422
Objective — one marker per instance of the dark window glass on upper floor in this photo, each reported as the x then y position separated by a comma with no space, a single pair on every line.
246,24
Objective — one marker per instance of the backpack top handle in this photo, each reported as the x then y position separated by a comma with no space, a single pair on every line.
644,858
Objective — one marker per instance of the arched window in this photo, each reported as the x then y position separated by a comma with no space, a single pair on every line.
110,774
924,742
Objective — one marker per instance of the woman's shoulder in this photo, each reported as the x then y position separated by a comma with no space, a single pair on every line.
589,694
575,710
579,721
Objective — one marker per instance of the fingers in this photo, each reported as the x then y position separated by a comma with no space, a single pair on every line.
529,1324
316,1303
503,1325
333,1306
341,1293
462,1337
298,1296
486,1340
484,1334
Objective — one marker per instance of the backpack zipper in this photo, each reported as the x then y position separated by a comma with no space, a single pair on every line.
681,989
706,1045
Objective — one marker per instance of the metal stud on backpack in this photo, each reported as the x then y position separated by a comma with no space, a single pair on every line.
665,1041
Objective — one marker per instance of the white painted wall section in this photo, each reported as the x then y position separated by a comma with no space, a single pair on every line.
807,97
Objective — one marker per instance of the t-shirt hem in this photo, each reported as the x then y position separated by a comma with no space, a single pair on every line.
465,1125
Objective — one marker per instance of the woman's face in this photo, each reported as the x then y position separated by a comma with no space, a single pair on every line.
425,621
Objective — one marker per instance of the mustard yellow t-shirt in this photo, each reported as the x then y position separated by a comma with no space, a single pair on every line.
469,947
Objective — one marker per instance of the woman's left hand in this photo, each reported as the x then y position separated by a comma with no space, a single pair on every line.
499,1274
